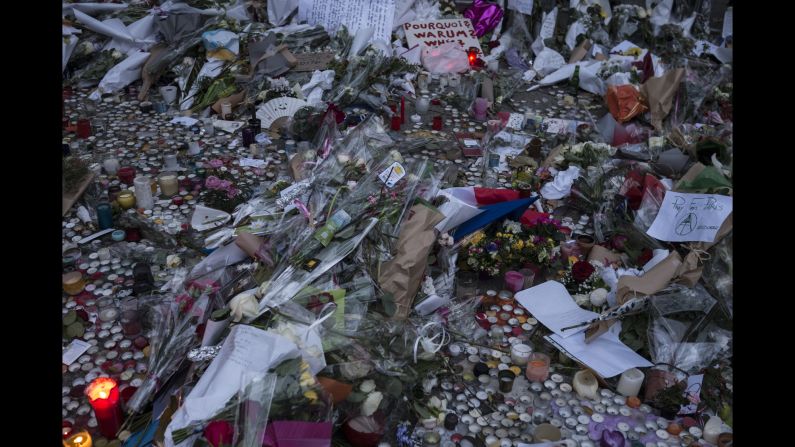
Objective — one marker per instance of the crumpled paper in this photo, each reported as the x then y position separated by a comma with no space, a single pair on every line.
561,186
402,275
121,75
313,90
548,61
659,93
484,16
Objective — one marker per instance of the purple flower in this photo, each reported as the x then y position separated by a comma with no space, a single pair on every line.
224,184
232,192
212,182
619,242
216,163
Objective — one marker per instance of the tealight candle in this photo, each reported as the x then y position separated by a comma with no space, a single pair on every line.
585,384
79,439
169,185
630,382
520,354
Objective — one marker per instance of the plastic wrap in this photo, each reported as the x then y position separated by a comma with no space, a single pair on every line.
718,273
255,404
174,335
682,329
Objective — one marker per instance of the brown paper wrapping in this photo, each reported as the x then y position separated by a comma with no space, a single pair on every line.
339,390
659,94
402,275
585,246
580,51
599,253
148,80
249,243
651,282
551,157
234,100
690,175
296,165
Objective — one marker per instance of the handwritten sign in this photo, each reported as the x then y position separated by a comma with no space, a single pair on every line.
353,14
435,33
690,217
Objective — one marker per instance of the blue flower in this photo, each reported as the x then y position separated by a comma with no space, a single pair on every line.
492,247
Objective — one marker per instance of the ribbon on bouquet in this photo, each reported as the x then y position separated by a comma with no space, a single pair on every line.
430,343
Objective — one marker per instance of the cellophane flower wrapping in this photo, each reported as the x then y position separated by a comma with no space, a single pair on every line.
684,329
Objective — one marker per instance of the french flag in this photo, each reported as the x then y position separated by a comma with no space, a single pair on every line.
470,208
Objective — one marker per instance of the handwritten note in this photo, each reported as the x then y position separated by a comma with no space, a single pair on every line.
523,6
75,349
354,14
690,217
435,33
693,394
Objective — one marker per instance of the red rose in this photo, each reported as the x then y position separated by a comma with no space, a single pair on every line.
582,270
645,256
219,432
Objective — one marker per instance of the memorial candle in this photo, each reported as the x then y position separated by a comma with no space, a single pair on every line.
630,382
79,439
103,395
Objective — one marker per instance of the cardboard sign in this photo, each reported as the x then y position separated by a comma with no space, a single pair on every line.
313,61
434,33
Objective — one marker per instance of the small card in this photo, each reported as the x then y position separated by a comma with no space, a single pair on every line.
516,121
470,143
391,175
75,349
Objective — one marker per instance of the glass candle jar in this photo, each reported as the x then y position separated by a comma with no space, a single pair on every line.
169,185
126,199
537,367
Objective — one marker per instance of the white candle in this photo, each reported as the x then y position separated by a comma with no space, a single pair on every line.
111,166
520,353
630,382
422,105
143,192
585,384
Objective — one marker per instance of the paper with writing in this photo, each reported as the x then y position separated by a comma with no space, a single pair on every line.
687,217
523,6
552,305
246,349
75,349
434,33
606,355
354,14
693,394
391,175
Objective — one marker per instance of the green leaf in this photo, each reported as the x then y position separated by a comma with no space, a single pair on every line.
356,397
710,178
394,387
69,318
422,411
75,329
388,300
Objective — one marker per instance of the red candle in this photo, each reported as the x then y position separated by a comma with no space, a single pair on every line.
83,128
402,110
437,123
396,122
177,200
103,395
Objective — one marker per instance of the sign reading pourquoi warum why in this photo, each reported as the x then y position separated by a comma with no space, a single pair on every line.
438,32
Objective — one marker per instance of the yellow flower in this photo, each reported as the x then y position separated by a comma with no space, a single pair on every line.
603,14
311,395
306,379
499,234
477,238
573,259
634,51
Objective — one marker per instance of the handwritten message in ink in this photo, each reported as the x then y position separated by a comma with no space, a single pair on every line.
690,217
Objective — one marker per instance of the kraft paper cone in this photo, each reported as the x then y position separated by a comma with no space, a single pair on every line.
602,254
234,100
551,157
651,282
249,243
659,94
339,390
580,51
402,275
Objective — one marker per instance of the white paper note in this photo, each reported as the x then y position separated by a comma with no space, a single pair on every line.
354,14
687,217
253,162
246,349
606,355
693,394
523,6
75,349
435,33
554,307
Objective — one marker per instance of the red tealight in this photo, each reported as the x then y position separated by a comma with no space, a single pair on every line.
141,342
66,429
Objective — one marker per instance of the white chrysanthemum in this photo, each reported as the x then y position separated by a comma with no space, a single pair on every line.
173,261
581,299
599,297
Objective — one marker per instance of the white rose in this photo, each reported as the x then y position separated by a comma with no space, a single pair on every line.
598,297
244,305
343,158
116,54
173,261
372,402
581,299
367,386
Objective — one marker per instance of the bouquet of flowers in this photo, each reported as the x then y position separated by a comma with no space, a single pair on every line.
222,191
584,282
511,247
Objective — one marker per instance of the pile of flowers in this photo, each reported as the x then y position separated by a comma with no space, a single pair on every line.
509,248
221,192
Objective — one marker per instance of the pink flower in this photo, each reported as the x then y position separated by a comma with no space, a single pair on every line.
216,163
232,192
212,182
185,302
218,433
224,184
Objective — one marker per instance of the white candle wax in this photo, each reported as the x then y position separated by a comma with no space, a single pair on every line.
712,429
143,192
111,166
520,353
585,384
630,382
